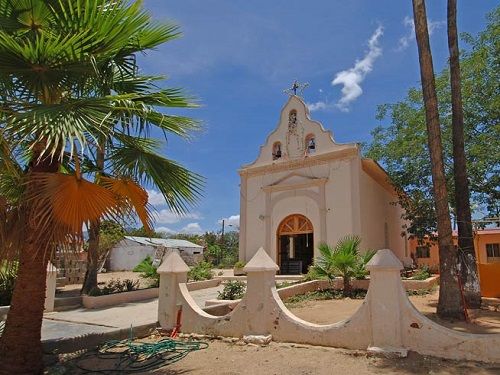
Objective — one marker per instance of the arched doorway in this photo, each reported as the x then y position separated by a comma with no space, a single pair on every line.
295,244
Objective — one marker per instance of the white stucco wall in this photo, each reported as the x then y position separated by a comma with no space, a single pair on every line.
328,186
377,212
128,254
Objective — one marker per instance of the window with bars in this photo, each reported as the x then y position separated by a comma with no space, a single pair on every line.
493,250
423,252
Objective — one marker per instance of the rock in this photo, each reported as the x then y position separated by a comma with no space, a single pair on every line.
257,339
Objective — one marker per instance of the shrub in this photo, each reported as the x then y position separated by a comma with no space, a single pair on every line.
239,264
422,273
312,274
201,271
343,260
233,290
8,275
115,286
148,271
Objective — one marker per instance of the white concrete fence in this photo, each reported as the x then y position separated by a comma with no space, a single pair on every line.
386,321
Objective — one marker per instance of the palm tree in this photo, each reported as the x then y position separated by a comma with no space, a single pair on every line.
138,156
57,59
343,260
450,302
467,255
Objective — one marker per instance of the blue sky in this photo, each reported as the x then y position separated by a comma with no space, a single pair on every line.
237,56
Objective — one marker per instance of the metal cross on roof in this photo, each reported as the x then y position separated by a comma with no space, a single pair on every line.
296,87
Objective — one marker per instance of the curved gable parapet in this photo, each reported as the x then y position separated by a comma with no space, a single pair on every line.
296,136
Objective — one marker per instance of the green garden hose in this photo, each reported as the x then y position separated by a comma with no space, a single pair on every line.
128,357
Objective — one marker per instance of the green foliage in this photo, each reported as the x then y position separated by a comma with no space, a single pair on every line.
239,264
201,271
322,295
360,272
110,233
142,232
233,290
312,274
342,260
115,286
401,145
422,273
8,275
148,271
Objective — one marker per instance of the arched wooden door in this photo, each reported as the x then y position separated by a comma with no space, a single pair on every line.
295,244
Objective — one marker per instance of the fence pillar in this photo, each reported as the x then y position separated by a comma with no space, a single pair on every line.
172,271
385,303
260,272
50,287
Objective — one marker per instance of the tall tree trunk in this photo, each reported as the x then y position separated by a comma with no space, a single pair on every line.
450,302
90,281
467,255
20,345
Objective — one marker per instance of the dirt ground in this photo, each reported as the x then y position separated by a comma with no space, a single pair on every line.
221,358
485,320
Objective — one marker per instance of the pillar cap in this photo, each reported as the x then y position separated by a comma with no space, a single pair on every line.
261,262
384,260
173,263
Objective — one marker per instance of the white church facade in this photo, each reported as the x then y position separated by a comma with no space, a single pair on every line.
304,189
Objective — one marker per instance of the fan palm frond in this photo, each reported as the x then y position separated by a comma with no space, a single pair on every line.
138,157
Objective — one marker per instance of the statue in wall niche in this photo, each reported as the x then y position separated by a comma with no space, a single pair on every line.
294,137
292,122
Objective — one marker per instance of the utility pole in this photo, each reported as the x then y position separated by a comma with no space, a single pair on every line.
221,243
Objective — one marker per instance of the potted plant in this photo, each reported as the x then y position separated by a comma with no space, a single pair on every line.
238,268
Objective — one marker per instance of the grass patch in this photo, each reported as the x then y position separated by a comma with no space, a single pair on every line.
322,295
421,292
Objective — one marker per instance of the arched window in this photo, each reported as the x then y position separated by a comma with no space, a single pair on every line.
276,150
310,144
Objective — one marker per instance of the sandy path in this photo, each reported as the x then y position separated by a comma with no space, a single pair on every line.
332,311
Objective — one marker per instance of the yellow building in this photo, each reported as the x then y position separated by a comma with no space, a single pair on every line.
487,246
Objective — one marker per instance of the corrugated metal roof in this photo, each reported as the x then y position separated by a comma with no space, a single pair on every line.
167,242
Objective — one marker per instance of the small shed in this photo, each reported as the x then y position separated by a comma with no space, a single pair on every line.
130,251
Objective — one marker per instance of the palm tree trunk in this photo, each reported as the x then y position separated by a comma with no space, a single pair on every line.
20,345
347,290
90,281
467,255
450,302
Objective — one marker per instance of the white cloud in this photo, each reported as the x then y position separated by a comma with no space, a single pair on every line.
352,78
165,216
320,105
231,221
192,228
156,198
405,40
164,230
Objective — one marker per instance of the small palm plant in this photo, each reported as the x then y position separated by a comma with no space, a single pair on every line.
343,260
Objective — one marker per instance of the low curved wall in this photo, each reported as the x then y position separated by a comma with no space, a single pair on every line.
386,321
